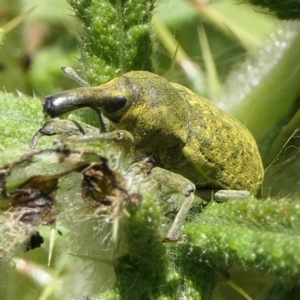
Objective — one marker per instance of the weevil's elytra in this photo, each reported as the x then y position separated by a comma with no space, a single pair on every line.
184,132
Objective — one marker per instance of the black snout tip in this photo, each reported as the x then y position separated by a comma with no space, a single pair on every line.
55,105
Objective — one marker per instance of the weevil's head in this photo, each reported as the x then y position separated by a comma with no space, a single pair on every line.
143,103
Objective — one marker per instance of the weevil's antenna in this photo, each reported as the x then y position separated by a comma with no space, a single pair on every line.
69,72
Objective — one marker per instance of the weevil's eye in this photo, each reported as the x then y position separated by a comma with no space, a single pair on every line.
115,104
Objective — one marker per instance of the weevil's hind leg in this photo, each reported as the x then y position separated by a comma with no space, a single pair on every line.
176,183
221,196
174,231
225,195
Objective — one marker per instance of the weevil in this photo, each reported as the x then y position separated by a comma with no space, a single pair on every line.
185,133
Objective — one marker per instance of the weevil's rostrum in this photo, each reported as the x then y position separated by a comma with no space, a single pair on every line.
184,132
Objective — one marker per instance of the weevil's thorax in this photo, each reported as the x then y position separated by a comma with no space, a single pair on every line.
156,114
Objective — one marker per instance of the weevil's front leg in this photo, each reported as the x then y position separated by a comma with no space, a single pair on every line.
177,183
122,137
61,127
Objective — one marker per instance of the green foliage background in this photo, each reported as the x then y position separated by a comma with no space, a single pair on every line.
250,69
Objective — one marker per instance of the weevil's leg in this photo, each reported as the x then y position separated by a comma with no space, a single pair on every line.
179,184
35,139
222,195
63,127
173,233
225,276
100,119
122,137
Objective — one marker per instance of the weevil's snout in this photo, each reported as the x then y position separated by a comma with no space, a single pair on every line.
59,104
55,105
113,99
